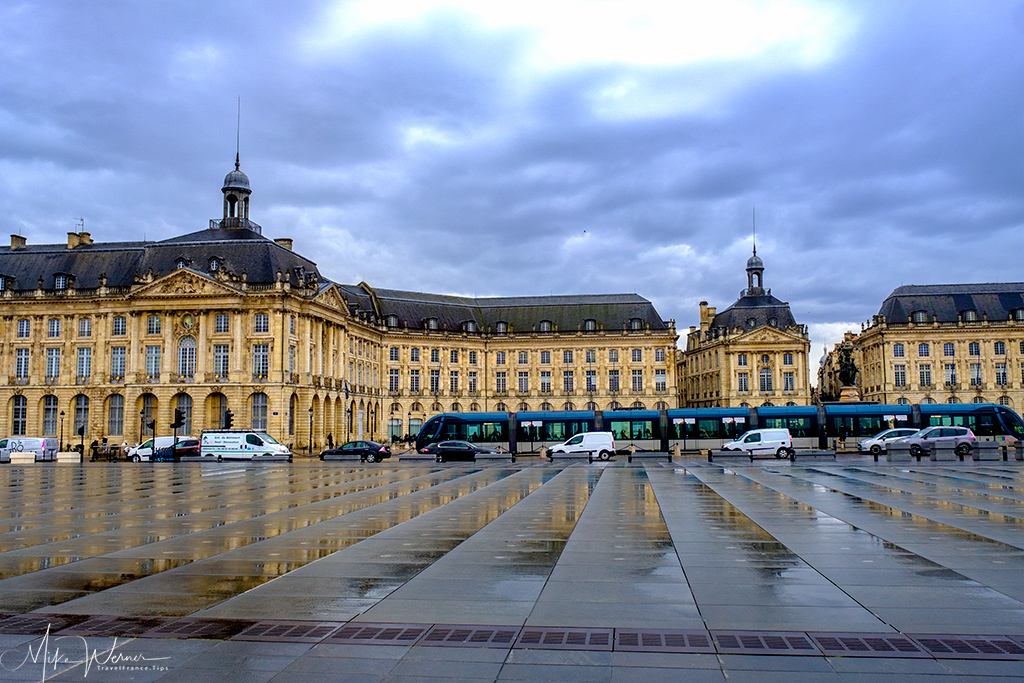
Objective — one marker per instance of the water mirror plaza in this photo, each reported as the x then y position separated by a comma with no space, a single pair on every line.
657,570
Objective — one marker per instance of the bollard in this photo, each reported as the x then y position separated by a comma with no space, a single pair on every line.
1018,451
897,452
943,453
986,450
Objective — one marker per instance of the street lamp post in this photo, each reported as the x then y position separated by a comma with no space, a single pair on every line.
311,430
62,430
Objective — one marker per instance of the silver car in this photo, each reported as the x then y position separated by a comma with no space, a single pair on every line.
922,442
876,443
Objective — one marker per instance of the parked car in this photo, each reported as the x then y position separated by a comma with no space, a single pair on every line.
777,442
443,451
164,444
370,451
922,442
187,447
876,444
600,444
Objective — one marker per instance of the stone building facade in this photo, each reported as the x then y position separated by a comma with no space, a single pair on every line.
946,344
753,353
106,336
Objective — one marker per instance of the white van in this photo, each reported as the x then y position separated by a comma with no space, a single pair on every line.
240,444
775,442
144,450
588,443
45,447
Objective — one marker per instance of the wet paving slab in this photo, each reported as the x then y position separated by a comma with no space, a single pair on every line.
712,564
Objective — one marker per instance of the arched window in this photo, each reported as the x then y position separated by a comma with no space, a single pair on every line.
614,405
638,405
416,407
902,402
636,324
431,323
591,406
50,415
953,399
501,327
81,413
183,402
187,358
293,406
773,322
391,321
436,408
1018,314
927,400
545,326
589,325
19,412
214,264
524,406
501,408
474,408
180,263
660,405
469,326
569,406
1004,400
545,406
977,399
259,411
60,281
115,415
148,411
969,316
456,408
919,317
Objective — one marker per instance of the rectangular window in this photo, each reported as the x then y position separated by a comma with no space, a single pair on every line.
613,380
899,375
291,358
52,364
21,357
50,408
591,380
591,356
659,380
222,323
115,419
454,356
613,355
743,382
414,380
567,357
638,355
291,324
435,355
453,381
567,379
922,350
545,381
949,371
393,374
260,361
20,416
787,359
765,379
54,327
1001,374
1000,348
393,353
414,355
897,350
472,381
118,354
926,374
524,357
120,326
261,323
948,350
84,327
499,382
975,374
153,324
524,381
499,358
545,358
472,357
435,381
220,359
789,381
152,362
659,355
638,380
25,327
741,360
84,363
974,349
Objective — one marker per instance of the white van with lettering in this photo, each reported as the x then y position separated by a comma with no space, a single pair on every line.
241,444
775,442
45,447
601,444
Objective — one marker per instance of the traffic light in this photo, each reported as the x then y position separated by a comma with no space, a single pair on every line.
179,418
229,419
81,430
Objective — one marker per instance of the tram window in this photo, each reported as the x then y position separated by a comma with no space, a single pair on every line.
631,429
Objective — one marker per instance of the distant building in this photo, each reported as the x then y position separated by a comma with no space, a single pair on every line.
107,336
753,353
946,344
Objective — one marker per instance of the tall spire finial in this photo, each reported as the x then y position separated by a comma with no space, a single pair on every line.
753,227
238,133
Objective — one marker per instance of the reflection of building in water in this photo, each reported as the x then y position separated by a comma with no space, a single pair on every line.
106,337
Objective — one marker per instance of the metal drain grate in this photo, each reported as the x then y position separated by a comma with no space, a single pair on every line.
288,631
379,634
970,646
37,624
867,645
110,626
212,629
778,643
565,639
628,640
471,636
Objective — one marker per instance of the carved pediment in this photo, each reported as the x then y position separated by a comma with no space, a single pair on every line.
331,297
764,334
183,283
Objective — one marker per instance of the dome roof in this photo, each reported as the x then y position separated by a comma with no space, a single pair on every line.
236,180
752,262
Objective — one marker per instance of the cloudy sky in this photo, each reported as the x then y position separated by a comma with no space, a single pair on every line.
528,147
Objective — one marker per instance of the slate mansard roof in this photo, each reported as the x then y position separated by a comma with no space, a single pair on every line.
236,251
995,301
760,308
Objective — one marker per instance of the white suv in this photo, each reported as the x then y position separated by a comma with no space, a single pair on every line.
601,444
775,442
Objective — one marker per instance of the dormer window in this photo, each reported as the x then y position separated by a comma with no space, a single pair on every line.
181,263
469,326
589,325
3,283
1018,315
214,264
391,321
773,322
545,326
636,324
431,323
501,327
60,281
969,316
919,317
751,322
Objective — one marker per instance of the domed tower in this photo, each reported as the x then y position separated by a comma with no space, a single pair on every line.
755,275
236,198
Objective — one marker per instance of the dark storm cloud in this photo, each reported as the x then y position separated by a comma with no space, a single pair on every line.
434,153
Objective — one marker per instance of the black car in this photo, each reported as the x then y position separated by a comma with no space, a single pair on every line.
444,451
370,451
